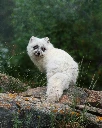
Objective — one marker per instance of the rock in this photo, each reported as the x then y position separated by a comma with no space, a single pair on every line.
29,109
9,83
77,108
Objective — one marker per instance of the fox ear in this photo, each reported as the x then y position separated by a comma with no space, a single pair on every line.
31,39
47,39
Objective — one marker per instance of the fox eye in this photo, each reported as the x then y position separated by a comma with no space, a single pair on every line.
43,49
35,47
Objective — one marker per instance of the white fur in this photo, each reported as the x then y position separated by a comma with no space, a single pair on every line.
61,70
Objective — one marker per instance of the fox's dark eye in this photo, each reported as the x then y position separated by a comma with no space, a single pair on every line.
43,49
35,47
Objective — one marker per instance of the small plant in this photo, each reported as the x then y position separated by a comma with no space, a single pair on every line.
27,120
17,123
52,116
69,120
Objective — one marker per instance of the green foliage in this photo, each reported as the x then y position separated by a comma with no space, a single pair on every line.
72,119
17,123
3,57
20,121
74,26
6,28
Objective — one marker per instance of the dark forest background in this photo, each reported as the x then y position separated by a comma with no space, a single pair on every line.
72,25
